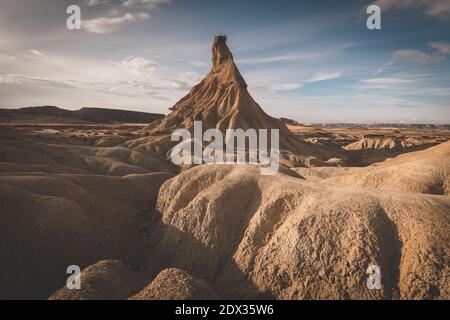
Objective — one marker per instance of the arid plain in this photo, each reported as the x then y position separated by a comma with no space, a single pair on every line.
95,188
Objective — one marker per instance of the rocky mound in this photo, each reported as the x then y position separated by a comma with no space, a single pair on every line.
105,280
283,237
426,171
383,143
65,204
27,153
176,284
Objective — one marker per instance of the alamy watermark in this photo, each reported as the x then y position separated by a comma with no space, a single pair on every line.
374,279
74,280
73,21
374,20
230,149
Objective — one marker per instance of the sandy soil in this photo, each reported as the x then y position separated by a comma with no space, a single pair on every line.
83,195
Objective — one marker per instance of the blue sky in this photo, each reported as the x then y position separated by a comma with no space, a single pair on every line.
313,61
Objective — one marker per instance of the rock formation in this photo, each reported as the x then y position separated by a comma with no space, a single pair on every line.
104,280
176,284
221,100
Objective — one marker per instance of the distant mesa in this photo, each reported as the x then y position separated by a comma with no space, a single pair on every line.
85,115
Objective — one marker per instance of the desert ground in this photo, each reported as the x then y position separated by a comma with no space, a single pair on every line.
95,188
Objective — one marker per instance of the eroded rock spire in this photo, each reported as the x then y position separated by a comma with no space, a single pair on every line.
223,65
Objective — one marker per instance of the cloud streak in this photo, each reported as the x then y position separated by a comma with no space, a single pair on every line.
419,55
387,81
294,57
17,79
105,25
440,52
322,76
94,3
151,4
138,64
37,53
286,86
436,8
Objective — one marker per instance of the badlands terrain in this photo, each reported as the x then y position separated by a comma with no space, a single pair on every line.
95,188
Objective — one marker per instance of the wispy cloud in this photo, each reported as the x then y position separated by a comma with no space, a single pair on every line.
285,86
440,91
8,80
107,83
144,74
295,56
322,76
21,79
152,4
419,55
108,25
435,8
384,67
441,46
199,64
37,53
387,81
279,58
138,64
93,3
189,78
441,50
